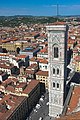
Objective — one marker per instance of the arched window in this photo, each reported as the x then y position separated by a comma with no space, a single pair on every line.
53,84
57,85
57,71
53,70
56,51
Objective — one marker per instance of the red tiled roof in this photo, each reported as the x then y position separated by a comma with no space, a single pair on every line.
71,41
58,23
16,101
10,88
74,99
7,81
71,114
22,56
42,73
31,86
29,72
45,50
33,59
21,85
43,61
74,116
77,58
32,66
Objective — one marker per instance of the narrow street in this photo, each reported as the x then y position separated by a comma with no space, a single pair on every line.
42,111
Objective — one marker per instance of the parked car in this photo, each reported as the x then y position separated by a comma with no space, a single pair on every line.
40,118
38,106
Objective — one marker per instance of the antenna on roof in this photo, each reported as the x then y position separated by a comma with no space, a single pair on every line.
57,12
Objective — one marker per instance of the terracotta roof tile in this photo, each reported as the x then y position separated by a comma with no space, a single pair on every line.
10,88
77,58
31,86
22,56
42,73
74,99
72,114
58,23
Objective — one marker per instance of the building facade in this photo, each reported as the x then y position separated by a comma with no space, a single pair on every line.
57,49
21,101
42,76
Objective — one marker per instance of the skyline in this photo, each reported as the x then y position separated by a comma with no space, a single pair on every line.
39,8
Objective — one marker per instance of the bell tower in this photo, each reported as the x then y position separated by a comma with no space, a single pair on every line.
57,53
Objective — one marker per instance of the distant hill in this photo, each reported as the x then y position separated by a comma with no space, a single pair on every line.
12,21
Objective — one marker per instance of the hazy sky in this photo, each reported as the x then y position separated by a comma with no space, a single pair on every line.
39,7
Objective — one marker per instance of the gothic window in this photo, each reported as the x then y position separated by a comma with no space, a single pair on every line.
57,71
57,85
53,70
53,84
56,52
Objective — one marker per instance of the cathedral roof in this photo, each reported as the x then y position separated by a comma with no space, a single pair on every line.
58,23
